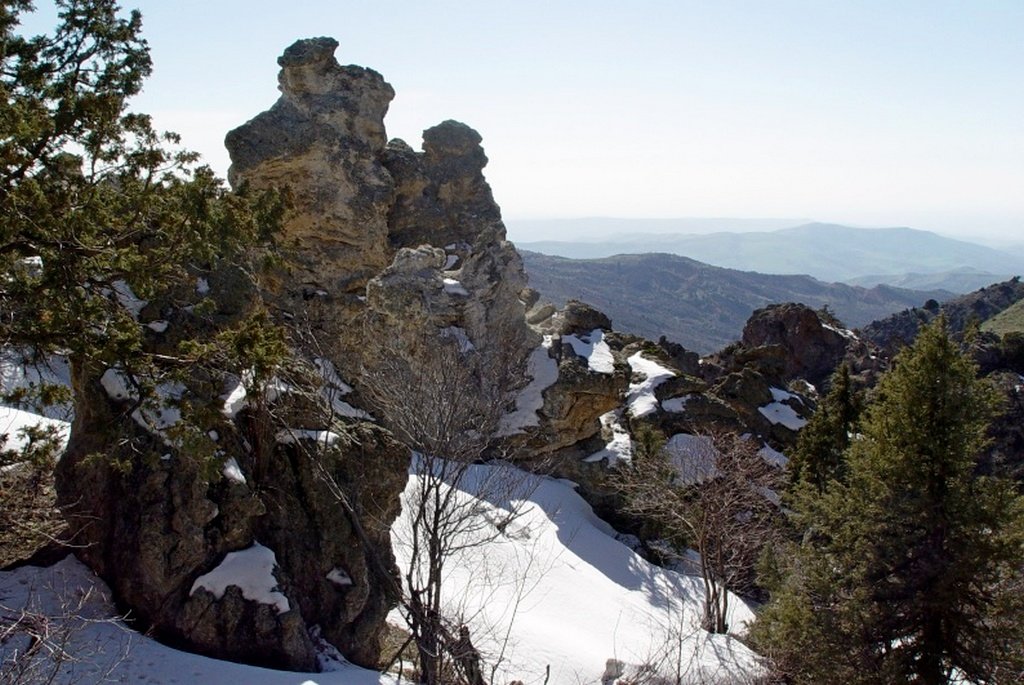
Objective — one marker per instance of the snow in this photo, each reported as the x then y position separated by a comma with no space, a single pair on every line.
450,262
251,571
13,421
845,332
128,299
202,286
594,349
290,436
556,582
676,405
568,594
543,371
640,399
157,326
454,287
339,576
620,447
693,456
234,398
232,471
23,370
334,388
779,413
773,456
117,385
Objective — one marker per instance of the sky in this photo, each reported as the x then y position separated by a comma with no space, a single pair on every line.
869,113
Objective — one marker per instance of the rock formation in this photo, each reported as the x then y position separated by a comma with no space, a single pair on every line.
378,240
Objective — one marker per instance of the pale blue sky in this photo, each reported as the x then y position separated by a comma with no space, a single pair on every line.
874,113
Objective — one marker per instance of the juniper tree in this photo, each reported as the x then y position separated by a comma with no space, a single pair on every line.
907,570
819,455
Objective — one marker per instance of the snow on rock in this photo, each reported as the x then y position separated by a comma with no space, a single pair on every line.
845,332
232,471
454,287
640,399
251,571
128,299
779,413
676,405
117,385
157,326
543,371
339,576
290,436
693,456
620,447
103,649
202,286
594,349
334,388
566,593
234,398
773,456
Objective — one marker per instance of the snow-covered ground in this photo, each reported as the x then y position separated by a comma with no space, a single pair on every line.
554,589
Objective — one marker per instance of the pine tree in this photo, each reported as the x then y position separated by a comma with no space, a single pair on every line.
906,571
820,454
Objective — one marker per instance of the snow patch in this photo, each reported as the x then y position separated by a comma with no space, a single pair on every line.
620,447
773,456
157,326
128,299
543,371
676,405
779,413
13,423
640,398
454,287
251,571
290,436
232,471
594,349
339,576
202,286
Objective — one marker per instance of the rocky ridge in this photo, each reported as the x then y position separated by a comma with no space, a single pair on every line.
381,246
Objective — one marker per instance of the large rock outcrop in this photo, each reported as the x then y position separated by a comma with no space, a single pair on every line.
378,242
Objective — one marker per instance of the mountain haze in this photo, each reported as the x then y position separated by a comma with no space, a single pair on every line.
702,307
825,251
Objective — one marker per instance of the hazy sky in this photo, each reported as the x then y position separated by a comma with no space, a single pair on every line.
874,113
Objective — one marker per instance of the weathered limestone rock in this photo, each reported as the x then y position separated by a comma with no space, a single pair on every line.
322,143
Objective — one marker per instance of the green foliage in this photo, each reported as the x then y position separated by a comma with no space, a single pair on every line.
820,453
93,201
906,569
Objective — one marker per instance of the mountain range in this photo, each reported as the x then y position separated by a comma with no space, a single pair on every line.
895,256
700,306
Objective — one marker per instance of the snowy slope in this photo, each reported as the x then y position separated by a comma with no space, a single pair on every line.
568,595
554,589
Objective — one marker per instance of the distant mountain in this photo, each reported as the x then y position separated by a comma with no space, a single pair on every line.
982,306
600,228
702,307
962,280
826,251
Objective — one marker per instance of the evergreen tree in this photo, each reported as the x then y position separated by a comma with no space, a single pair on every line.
820,454
906,570
96,206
